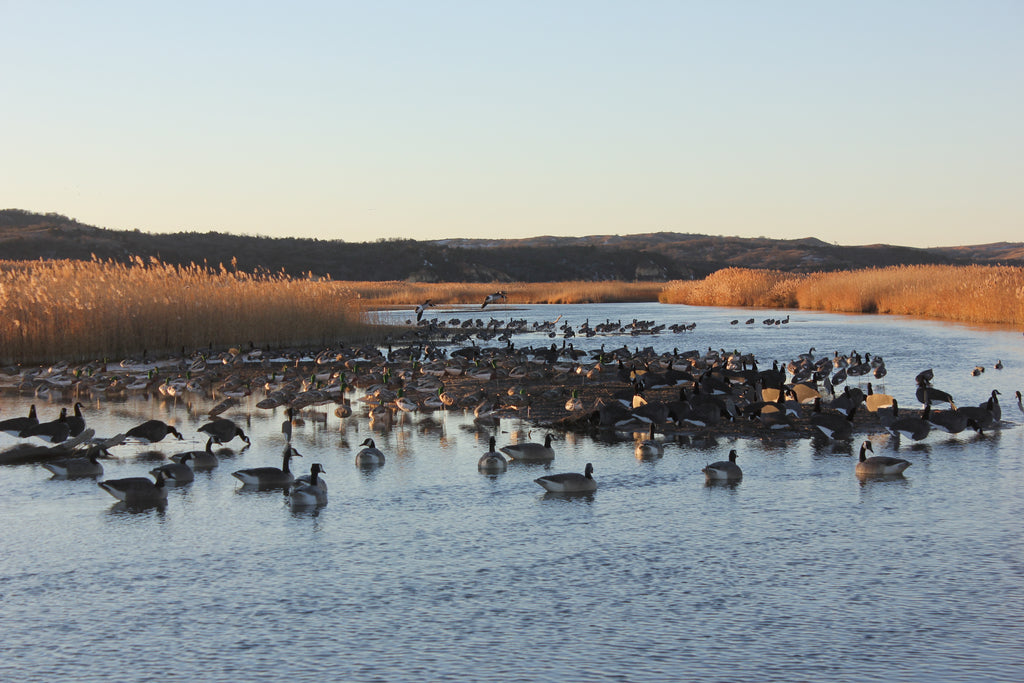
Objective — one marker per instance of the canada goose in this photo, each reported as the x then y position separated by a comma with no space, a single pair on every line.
309,489
72,468
201,460
492,462
998,365
76,422
1020,402
16,425
369,456
423,307
983,416
137,490
952,421
570,482
724,470
910,426
54,431
152,431
879,464
833,425
223,431
493,298
997,411
176,472
530,452
649,448
929,394
269,477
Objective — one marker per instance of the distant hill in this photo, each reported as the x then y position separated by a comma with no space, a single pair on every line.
654,256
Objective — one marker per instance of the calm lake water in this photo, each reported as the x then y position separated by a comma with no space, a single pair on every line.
427,570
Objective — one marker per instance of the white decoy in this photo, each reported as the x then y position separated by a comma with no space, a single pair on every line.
492,462
137,490
530,452
879,464
72,468
570,482
309,489
648,448
369,456
153,431
724,470
176,472
270,477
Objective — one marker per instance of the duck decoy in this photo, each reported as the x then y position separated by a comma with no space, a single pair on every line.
649,448
54,431
570,482
269,477
16,425
176,472
222,431
724,470
492,462
369,456
137,490
879,464
201,460
530,452
153,431
309,489
73,468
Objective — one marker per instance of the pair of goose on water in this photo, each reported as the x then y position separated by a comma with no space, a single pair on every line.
495,462
55,431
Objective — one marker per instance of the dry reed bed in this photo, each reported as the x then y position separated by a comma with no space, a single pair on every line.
976,294
78,310
398,293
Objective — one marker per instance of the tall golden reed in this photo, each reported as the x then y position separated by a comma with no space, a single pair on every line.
80,310
399,293
977,294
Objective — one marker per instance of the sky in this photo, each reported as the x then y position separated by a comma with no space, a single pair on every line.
880,121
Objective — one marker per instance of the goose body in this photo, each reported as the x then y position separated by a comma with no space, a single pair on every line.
648,448
223,431
309,489
137,490
879,464
570,482
269,477
530,452
201,460
153,431
912,427
16,425
54,431
76,422
724,470
493,298
369,456
492,462
72,468
176,472
833,425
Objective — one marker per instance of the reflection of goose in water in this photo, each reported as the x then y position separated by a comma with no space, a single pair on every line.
879,464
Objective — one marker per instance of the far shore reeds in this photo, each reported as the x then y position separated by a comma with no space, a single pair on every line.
83,310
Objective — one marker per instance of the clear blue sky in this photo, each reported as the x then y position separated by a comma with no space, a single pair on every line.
894,121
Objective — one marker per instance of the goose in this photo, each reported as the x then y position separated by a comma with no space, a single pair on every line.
570,482
493,298
76,422
54,431
223,431
879,464
201,460
369,456
998,365
309,489
137,490
176,472
1020,401
16,425
72,468
833,425
983,416
724,470
492,462
951,421
152,431
423,307
927,393
649,448
269,477
997,411
912,427
530,452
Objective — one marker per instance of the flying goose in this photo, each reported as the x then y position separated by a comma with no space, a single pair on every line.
269,477
152,431
137,490
309,489
492,462
530,452
222,431
570,482
176,472
724,470
369,456
879,464
493,298
423,307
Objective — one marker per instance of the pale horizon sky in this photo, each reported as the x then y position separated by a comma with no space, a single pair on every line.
893,122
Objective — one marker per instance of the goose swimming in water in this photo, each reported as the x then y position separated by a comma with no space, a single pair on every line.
270,477
724,470
649,448
570,482
370,456
309,489
73,468
201,460
137,490
530,452
16,425
492,462
879,464
176,472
